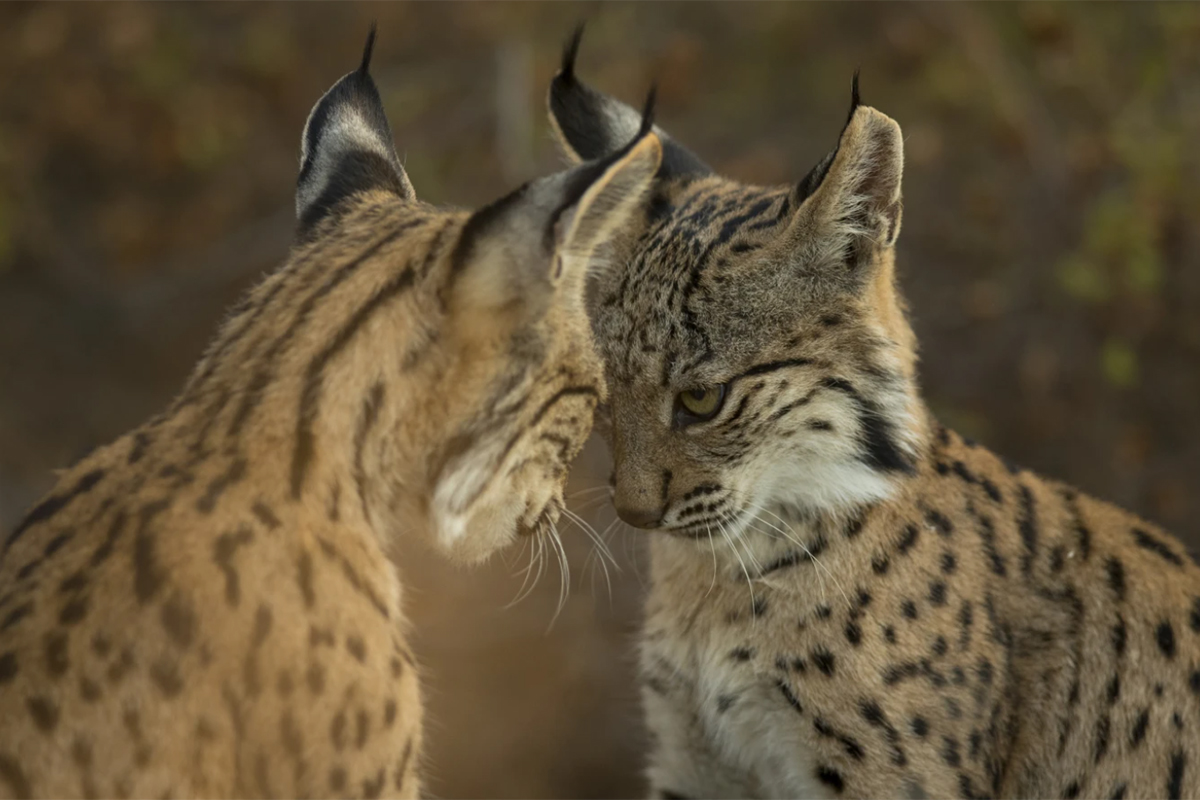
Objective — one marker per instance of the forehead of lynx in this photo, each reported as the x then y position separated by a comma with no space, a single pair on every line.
702,291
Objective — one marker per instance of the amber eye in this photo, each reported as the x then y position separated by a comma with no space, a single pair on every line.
701,403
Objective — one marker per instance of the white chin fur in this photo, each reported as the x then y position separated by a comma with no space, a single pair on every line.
823,486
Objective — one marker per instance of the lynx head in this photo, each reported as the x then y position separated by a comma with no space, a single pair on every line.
492,397
754,341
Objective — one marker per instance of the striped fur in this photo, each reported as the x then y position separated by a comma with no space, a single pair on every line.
212,605
846,598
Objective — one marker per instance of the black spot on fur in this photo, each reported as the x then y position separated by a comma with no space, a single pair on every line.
940,522
1138,733
357,648
12,774
374,788
1102,734
920,726
1175,781
53,504
831,778
165,674
950,753
1027,527
967,788
1165,635
74,611
854,527
304,577
337,731
1116,576
337,779
57,543
937,593
44,712
789,695
179,621
1148,541
1118,637
823,660
8,667
148,575
909,609
264,514
741,654
900,672
908,539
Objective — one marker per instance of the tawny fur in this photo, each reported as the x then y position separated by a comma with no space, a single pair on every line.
211,606
848,600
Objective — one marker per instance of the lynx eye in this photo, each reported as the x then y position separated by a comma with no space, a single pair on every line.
700,404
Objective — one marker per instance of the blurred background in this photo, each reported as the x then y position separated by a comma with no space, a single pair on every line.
1050,254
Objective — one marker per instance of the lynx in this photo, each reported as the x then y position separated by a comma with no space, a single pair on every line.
848,599
212,604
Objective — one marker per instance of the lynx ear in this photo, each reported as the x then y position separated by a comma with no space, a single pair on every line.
347,148
538,241
850,201
590,125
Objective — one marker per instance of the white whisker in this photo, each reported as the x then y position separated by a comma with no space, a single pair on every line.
713,547
564,583
527,585
787,533
733,546
599,549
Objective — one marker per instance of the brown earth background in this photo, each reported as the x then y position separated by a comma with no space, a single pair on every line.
1050,253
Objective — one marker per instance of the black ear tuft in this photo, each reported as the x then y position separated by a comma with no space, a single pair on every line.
365,67
346,147
648,112
591,125
855,101
812,181
570,53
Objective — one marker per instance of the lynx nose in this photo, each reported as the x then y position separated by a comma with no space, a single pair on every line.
640,517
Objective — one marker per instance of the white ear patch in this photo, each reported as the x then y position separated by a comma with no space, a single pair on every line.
346,130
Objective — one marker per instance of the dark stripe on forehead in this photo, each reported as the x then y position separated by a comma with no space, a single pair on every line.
773,366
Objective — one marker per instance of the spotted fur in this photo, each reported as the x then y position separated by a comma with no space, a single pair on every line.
847,599
212,604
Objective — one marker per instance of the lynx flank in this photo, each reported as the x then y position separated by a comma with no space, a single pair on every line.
848,599
209,606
